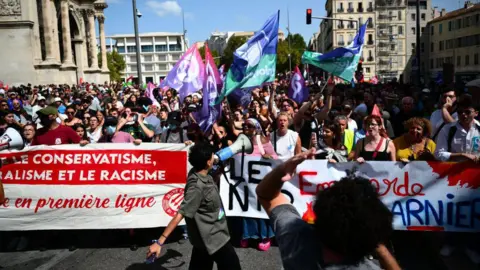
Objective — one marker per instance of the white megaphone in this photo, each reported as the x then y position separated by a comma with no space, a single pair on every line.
242,144
11,139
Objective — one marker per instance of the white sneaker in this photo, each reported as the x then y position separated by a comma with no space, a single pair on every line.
447,250
473,255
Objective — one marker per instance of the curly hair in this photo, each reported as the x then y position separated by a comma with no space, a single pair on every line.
351,220
424,123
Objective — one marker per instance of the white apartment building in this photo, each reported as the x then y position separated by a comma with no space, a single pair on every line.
158,52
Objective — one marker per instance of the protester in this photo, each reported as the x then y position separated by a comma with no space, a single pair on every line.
28,134
339,239
375,146
416,143
203,212
286,142
334,150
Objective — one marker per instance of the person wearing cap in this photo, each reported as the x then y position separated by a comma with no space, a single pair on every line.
12,95
40,104
111,135
52,133
59,104
175,133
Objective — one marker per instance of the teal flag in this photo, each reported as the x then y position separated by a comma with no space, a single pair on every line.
254,63
341,62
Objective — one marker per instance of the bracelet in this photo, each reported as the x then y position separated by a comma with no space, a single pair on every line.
164,236
156,241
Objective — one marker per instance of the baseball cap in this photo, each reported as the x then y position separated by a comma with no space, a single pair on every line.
57,99
2,92
48,111
174,118
40,98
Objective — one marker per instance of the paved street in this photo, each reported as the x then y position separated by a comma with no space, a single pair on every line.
109,250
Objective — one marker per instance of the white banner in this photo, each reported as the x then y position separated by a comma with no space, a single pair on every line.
99,186
429,196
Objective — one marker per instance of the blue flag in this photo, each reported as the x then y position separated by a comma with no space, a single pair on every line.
341,62
254,63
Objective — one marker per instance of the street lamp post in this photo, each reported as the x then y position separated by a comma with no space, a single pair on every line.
137,43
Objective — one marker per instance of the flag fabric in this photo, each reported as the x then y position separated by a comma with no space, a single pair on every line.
341,62
208,113
254,63
374,80
222,72
188,73
297,90
149,94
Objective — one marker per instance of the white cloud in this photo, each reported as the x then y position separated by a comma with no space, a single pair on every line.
165,8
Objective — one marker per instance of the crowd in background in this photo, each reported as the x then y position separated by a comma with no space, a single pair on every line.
364,122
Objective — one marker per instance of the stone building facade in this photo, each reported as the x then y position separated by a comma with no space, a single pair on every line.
52,41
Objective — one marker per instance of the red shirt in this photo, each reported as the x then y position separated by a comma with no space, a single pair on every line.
60,135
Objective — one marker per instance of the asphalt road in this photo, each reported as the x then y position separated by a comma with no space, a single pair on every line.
101,250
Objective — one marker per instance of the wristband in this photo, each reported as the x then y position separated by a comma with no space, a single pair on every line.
156,241
165,237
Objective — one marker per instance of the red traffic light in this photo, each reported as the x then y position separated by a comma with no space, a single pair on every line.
309,16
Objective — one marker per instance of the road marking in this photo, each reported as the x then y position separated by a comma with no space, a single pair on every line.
56,259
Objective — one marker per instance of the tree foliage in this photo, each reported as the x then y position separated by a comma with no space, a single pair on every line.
233,44
297,47
116,65
214,54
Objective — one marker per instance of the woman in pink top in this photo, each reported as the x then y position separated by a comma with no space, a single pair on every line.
255,228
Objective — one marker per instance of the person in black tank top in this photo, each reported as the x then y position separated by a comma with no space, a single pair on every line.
375,146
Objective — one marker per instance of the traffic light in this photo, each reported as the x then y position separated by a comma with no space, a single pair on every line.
309,16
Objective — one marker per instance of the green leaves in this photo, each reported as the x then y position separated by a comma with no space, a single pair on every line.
116,65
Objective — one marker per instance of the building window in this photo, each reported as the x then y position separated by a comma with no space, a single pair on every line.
350,7
370,39
413,32
360,7
148,67
459,60
340,40
431,63
475,59
413,16
400,30
450,26
399,15
467,60
440,28
148,58
133,67
131,49
121,49
161,48
440,46
133,59
367,70
147,48
432,30
423,17
423,30
162,57
459,24
392,47
162,67
432,46
350,38
422,47
175,47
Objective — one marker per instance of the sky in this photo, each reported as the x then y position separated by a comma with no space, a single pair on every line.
205,16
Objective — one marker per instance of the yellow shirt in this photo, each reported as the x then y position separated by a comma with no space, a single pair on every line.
404,150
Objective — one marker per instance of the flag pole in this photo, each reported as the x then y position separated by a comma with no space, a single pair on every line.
289,39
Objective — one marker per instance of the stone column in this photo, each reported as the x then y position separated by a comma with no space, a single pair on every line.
103,45
66,38
48,32
93,39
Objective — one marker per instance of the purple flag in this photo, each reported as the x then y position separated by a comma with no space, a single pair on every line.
209,114
298,91
188,73
222,72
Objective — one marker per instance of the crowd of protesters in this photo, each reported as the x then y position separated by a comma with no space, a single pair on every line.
365,122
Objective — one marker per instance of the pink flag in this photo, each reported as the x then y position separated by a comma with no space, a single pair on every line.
149,94
376,111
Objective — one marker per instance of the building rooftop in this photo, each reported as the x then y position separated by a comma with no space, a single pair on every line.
456,13
147,34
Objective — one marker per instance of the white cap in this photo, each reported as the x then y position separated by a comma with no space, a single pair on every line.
2,92
40,98
197,95
57,99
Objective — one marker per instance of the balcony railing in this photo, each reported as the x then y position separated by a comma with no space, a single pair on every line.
370,42
350,10
340,26
340,10
370,59
350,25
359,9
341,43
370,25
370,9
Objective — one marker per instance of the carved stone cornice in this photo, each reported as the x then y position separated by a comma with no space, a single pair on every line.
101,18
89,12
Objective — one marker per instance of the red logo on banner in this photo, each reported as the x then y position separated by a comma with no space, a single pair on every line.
172,200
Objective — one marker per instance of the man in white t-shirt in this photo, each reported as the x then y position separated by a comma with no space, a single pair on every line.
445,114
286,142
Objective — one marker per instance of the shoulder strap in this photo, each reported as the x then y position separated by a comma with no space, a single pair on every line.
275,140
451,134
386,145
434,138
181,135
378,148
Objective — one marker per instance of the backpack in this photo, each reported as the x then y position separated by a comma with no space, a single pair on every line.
451,134
181,135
